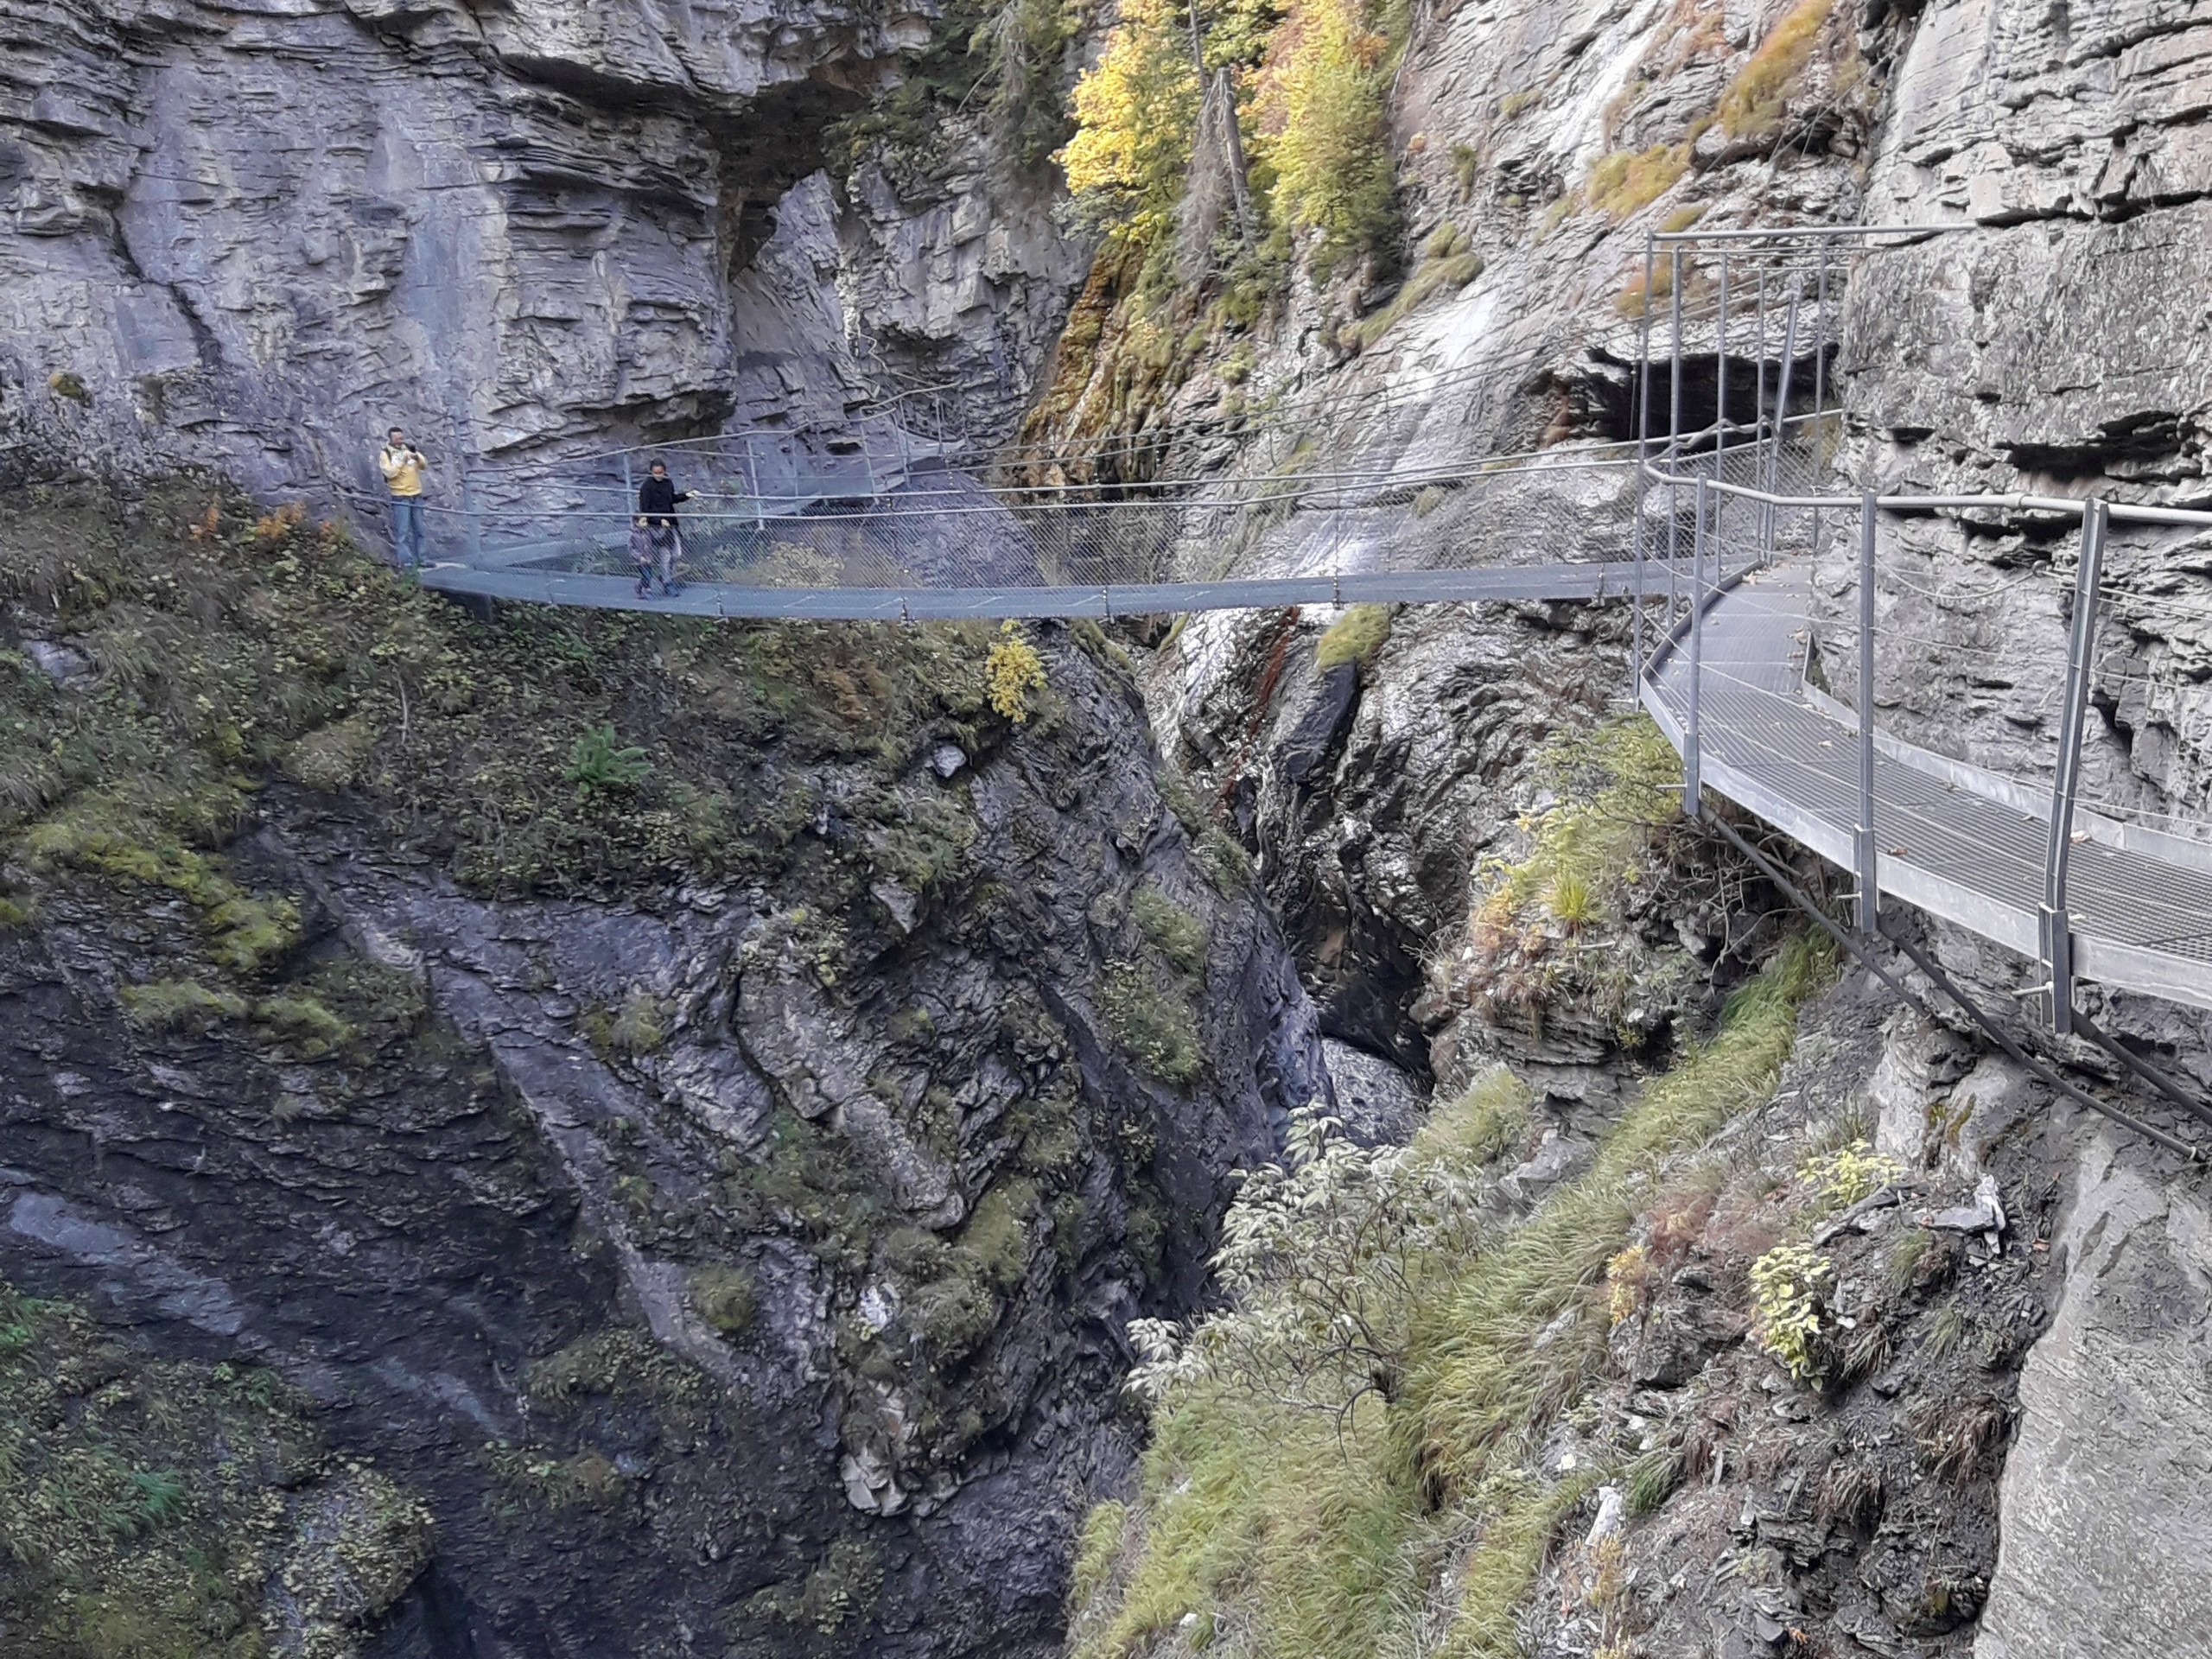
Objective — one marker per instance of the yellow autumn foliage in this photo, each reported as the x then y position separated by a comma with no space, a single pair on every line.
1323,95
1135,112
1012,672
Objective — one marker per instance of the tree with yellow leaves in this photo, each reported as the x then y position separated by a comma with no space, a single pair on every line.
1323,94
1135,113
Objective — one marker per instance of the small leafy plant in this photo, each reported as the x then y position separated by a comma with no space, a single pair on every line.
1788,1284
599,762
1012,671
1842,1178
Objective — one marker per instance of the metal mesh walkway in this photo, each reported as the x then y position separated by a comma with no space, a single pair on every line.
942,544
776,528
1498,583
2141,920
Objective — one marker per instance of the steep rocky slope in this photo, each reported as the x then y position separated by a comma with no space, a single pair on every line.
252,239
711,1175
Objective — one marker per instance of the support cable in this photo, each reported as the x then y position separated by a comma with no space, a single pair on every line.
1936,976
2141,1067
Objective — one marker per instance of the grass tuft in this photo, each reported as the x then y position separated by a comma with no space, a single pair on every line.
1445,273
164,1005
1225,861
1173,931
1096,1552
304,1024
725,1297
1622,183
1901,1266
1758,99
1154,1023
1358,636
1489,1120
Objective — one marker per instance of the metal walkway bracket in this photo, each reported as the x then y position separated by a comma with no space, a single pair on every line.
2057,926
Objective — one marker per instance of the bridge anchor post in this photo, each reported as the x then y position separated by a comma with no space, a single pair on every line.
1863,831
2055,925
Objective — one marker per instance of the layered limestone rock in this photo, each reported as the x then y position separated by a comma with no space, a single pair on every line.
2057,348
2054,345
255,240
2106,1531
959,282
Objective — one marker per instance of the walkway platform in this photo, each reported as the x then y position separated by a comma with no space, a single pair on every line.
1962,845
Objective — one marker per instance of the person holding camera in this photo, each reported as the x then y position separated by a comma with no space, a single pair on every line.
403,466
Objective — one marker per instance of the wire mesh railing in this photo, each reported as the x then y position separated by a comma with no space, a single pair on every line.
949,532
1750,488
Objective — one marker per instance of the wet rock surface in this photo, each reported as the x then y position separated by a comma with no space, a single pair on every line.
520,232
1373,791
2043,349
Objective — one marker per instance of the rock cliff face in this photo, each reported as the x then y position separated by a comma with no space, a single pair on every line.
254,240
960,279
2056,343
733,1255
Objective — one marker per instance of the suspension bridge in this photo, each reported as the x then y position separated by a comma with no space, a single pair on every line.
1737,564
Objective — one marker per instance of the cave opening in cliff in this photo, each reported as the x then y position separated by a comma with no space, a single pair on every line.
1752,384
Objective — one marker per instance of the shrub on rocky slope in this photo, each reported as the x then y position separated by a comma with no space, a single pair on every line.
1396,1488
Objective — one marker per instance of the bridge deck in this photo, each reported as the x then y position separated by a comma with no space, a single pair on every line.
1593,580
2142,919
1963,845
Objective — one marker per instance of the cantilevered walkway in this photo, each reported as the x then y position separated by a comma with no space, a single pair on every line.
1970,847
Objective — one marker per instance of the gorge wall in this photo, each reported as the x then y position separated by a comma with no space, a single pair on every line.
255,238
250,238
705,1180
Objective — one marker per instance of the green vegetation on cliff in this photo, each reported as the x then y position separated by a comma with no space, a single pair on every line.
1195,254
1345,1463
159,1511
1001,62
549,751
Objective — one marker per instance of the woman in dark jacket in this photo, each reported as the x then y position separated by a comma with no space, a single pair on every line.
657,499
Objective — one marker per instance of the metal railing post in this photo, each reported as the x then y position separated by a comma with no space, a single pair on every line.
1781,414
1720,398
1642,459
1819,367
1863,831
1758,375
1673,433
2057,925
1692,789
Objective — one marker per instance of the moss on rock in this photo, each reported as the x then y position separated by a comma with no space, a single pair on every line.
167,1510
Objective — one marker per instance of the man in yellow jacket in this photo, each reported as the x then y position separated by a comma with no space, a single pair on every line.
403,466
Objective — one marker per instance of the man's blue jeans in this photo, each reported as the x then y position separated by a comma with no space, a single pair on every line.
407,530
